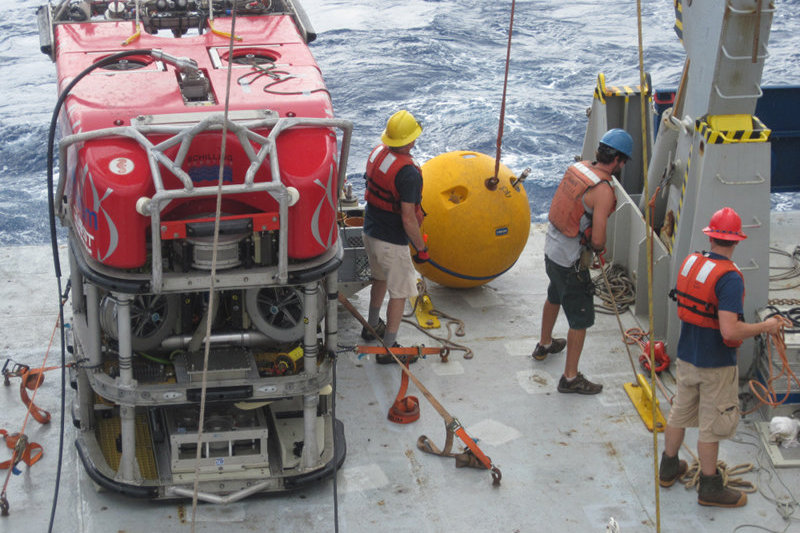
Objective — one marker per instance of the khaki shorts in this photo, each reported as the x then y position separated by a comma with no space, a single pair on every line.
706,398
392,263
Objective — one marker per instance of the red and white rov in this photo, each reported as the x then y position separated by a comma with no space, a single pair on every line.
152,128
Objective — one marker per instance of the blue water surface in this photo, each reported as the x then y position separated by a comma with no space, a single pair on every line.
444,60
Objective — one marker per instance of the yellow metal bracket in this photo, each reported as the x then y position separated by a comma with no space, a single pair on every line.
725,129
423,310
642,397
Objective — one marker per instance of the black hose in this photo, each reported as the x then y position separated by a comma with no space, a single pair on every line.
51,136
54,243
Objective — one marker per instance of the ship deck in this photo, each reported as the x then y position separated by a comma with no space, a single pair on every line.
569,462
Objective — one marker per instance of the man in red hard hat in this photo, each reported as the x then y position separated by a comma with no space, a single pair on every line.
710,296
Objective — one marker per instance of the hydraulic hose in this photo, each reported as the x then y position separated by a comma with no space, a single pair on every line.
54,242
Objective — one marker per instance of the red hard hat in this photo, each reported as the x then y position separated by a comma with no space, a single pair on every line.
725,225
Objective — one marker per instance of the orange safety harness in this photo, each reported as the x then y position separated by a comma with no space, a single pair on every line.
567,206
383,165
695,291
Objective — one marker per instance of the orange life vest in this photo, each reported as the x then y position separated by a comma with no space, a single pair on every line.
695,291
383,165
567,206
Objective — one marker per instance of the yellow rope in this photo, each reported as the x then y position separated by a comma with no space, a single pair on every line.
645,90
692,476
212,274
422,291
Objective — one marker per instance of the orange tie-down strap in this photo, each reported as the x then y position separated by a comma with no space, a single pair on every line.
27,452
31,379
472,456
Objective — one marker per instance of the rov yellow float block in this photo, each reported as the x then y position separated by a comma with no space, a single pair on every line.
476,230
642,397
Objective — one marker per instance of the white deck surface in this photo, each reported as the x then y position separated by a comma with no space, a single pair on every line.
569,462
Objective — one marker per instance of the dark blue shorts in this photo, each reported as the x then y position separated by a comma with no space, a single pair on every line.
573,290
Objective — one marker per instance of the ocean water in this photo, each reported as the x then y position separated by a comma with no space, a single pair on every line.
444,60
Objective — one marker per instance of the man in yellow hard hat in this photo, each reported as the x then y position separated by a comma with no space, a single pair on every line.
391,220
710,296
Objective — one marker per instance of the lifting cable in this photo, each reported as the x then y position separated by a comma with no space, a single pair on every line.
493,181
644,94
213,273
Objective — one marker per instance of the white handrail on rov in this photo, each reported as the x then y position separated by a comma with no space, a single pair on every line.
183,128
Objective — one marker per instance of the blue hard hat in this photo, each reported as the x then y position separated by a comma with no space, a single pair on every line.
619,140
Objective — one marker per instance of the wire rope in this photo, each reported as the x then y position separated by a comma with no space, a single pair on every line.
212,274
494,179
644,94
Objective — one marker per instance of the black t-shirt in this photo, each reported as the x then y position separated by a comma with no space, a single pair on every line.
388,226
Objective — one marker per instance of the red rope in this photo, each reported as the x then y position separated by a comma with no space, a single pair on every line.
505,87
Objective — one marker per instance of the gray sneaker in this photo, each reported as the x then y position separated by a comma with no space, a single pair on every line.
540,352
580,384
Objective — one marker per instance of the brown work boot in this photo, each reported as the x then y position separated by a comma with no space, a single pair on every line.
540,352
713,493
580,384
671,470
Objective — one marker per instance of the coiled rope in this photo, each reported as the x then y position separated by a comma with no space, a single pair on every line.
787,272
765,392
453,325
619,291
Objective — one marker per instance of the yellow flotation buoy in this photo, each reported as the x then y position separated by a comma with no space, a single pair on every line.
476,229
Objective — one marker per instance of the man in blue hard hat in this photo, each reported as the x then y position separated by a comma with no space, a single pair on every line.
578,215
392,219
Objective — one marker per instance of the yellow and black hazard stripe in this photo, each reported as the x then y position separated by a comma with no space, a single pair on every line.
603,91
683,194
679,19
724,129
600,88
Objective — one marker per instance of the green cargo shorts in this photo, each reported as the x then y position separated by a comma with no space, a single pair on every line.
573,290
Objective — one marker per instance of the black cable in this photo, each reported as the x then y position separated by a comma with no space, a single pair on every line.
63,405
51,136
54,243
335,469
792,314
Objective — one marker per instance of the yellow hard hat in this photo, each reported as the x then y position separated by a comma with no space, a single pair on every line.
401,129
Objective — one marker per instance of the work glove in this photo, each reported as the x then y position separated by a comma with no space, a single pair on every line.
421,256
601,256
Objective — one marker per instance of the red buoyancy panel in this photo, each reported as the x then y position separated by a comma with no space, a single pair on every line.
111,176
308,162
114,173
